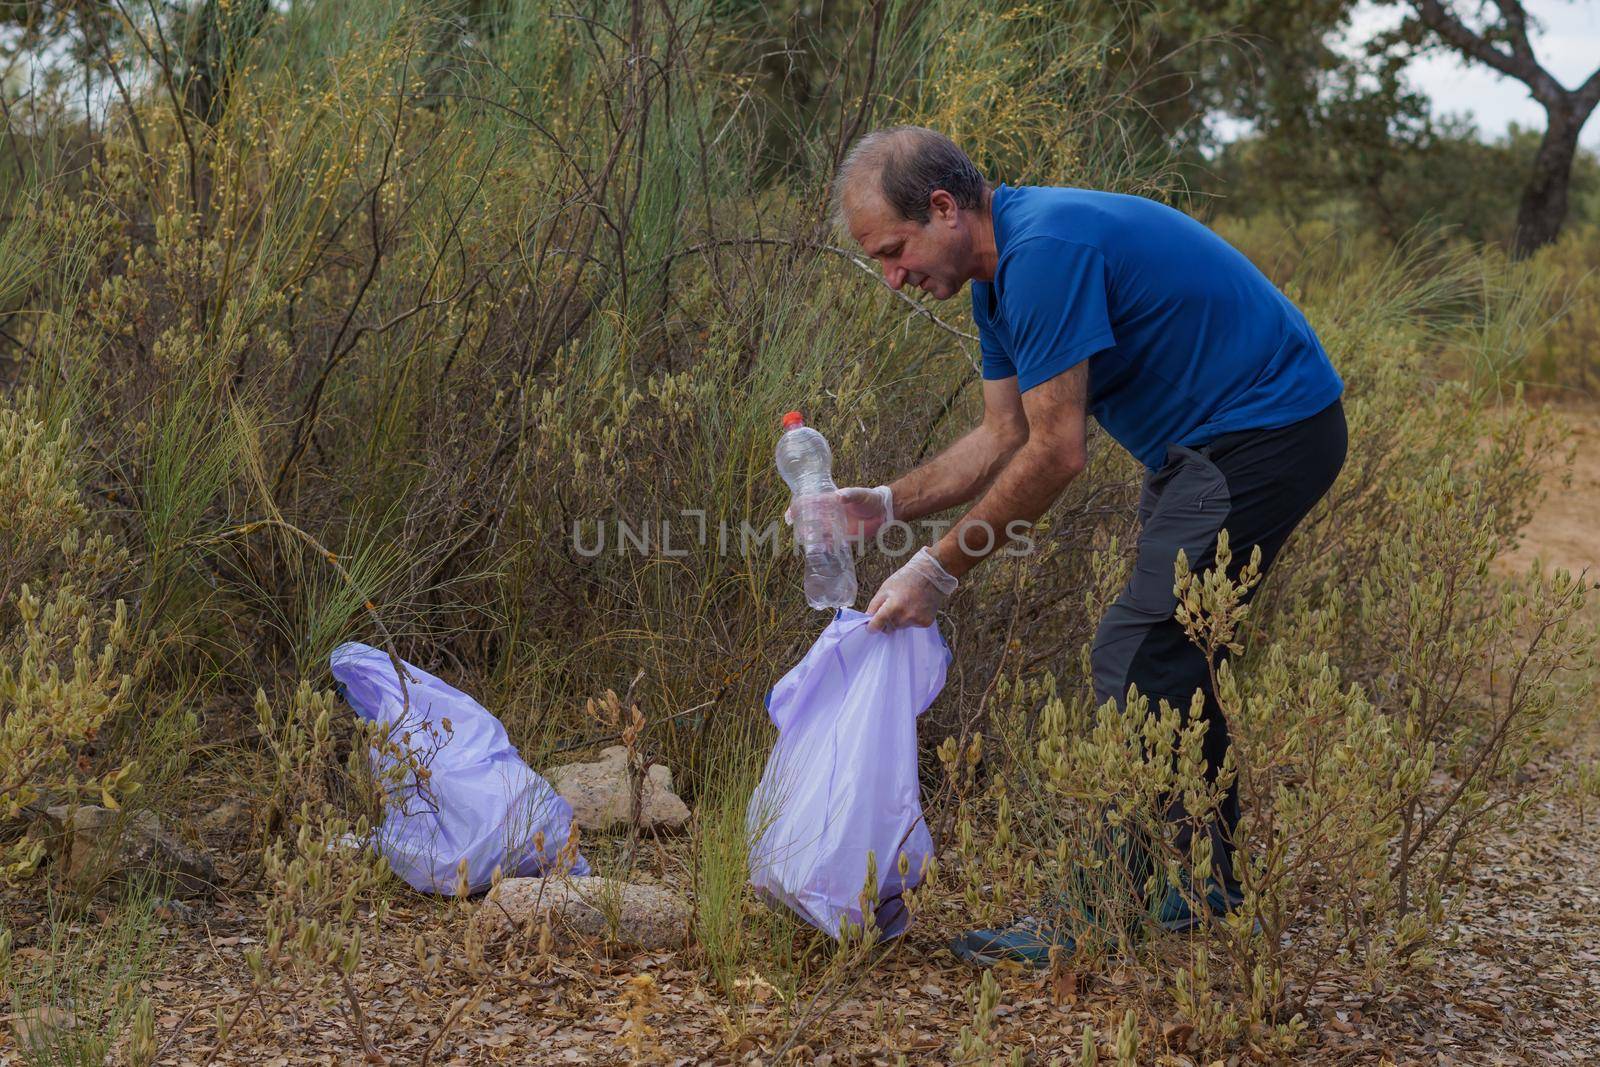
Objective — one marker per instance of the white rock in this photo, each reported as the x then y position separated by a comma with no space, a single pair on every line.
228,815
601,793
41,1030
586,911
101,843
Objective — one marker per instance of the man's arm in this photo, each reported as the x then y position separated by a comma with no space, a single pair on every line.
970,465
1054,453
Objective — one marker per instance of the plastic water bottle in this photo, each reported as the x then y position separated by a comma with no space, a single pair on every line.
806,463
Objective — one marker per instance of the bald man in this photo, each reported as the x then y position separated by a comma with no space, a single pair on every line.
1098,304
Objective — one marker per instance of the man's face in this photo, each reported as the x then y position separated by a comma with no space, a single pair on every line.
934,256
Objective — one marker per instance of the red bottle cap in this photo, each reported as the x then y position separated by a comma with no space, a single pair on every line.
793,419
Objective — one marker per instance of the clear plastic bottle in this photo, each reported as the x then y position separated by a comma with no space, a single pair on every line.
806,463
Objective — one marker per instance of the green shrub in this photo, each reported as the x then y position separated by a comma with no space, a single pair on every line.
60,641
319,865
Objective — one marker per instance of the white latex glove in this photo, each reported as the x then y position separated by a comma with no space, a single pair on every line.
911,595
865,510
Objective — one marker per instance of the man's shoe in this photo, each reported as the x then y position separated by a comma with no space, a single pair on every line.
1027,942
1176,914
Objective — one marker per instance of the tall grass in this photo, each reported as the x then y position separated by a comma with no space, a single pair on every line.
1500,324
72,1008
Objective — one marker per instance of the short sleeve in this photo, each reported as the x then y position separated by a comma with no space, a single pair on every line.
1053,299
996,363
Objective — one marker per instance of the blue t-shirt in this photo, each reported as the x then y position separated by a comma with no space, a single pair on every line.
1187,339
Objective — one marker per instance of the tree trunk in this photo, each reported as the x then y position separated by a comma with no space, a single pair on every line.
1544,198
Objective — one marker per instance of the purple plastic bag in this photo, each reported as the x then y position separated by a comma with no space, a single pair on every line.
480,803
842,780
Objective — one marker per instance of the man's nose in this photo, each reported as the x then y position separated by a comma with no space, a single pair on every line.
894,277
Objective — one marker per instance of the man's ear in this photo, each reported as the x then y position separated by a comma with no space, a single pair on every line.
942,206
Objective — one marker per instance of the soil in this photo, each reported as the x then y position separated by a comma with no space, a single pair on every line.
1565,531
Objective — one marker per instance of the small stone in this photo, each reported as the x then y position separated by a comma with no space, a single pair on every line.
601,794
586,910
40,1029
101,843
175,911
225,816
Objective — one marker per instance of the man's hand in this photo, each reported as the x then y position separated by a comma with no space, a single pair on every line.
865,510
911,595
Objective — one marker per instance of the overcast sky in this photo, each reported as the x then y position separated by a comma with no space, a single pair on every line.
1567,43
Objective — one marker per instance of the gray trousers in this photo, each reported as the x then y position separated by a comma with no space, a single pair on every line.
1256,484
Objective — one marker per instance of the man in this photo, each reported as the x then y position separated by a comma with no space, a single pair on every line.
1094,303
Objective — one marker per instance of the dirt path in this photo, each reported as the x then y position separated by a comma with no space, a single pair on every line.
1565,531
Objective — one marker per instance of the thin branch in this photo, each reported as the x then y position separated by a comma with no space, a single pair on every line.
1524,68
343,345
122,90
1517,22
865,107
165,64
1586,97
11,135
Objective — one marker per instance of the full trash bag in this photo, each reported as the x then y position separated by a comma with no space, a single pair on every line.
842,779
480,802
